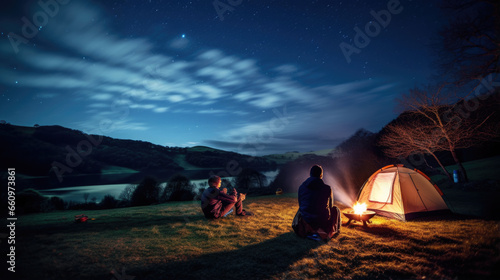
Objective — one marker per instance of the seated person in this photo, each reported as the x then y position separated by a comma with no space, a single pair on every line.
216,203
317,216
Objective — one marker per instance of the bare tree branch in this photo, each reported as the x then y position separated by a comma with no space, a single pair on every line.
430,125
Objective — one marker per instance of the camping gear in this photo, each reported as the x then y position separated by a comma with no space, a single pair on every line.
314,237
229,212
81,218
398,192
456,178
363,217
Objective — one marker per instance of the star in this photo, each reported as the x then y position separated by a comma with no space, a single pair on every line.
183,35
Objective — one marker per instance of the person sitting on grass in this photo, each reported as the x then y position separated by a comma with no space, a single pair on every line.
216,203
317,217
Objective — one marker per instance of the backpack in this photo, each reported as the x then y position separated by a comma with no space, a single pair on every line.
81,218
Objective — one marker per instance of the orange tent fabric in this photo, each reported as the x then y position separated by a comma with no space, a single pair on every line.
402,193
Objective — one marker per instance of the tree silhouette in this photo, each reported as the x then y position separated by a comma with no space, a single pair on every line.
249,178
127,192
468,46
108,202
86,197
404,139
436,126
146,193
178,188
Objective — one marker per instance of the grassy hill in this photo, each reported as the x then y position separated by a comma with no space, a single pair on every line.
34,151
291,156
174,241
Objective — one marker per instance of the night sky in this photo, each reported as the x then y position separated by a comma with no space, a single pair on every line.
255,77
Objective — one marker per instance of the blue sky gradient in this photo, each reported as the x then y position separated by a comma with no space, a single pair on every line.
265,77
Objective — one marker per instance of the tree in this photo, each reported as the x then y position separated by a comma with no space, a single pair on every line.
469,46
404,139
30,201
442,127
146,193
178,188
86,197
127,192
250,178
108,202
57,202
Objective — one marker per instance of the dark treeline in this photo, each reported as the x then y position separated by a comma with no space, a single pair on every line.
55,151
149,191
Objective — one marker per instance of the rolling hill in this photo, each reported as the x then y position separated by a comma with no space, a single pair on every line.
56,151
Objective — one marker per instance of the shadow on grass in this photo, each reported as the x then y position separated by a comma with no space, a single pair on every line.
124,223
383,231
259,261
395,234
447,217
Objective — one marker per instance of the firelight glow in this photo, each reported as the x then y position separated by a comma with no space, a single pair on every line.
359,208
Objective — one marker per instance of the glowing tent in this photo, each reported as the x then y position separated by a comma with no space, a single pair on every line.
401,193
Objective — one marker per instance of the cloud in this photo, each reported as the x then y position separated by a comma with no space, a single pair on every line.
144,106
279,146
266,100
243,96
101,96
98,105
247,67
286,69
125,125
160,110
109,123
213,112
179,43
211,55
209,91
214,72
114,67
105,71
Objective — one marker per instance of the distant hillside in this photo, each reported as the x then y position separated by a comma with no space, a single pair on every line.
35,151
291,156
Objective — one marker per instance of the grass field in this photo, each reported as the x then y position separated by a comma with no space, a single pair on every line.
479,197
477,170
174,241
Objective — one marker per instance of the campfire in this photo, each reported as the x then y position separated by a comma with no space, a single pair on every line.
359,213
359,208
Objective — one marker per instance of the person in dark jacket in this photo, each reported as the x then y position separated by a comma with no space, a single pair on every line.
216,203
316,204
